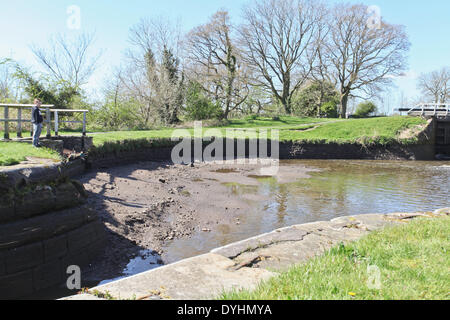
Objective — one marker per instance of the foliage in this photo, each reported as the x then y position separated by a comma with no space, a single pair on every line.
364,109
308,101
329,109
60,93
168,112
198,106
117,113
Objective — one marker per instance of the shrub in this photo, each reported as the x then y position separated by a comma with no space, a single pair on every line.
251,117
364,109
329,109
198,106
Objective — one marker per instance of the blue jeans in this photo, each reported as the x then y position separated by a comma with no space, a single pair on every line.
37,129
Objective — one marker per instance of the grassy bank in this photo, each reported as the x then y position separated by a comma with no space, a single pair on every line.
14,152
413,261
381,130
375,130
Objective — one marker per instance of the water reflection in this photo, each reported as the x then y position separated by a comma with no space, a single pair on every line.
339,188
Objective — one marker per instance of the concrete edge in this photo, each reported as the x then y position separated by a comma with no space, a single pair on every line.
172,266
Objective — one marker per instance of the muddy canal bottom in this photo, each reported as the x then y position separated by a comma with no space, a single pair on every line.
168,213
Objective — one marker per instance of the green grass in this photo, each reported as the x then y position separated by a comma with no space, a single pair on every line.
380,130
14,152
413,261
310,130
283,122
374,130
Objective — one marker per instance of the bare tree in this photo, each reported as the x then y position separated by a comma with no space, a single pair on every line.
279,41
68,60
151,74
436,85
5,79
363,59
10,86
214,60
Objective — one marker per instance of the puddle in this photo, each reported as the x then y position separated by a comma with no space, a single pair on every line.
145,261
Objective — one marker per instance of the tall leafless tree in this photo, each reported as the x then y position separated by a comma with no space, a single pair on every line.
436,85
10,87
214,61
147,76
279,39
68,60
363,58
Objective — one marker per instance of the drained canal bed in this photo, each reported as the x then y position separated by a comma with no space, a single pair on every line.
340,188
158,213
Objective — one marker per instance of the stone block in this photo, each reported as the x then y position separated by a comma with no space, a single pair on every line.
2,263
55,248
67,196
81,237
47,275
25,257
34,202
16,285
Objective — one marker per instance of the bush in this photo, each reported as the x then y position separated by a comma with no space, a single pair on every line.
116,115
252,117
364,109
329,109
198,106
307,101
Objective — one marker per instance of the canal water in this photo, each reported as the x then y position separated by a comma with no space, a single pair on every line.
334,189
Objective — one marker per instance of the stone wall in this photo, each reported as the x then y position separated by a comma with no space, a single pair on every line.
44,228
287,150
75,143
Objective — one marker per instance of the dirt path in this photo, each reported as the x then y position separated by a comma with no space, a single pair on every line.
146,204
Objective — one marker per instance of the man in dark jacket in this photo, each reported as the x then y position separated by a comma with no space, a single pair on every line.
36,120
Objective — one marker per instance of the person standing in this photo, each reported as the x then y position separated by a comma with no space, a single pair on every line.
36,120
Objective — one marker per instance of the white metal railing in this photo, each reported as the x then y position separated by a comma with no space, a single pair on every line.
47,120
433,109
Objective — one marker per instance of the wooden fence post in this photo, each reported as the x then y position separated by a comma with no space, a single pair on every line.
84,123
19,123
49,129
56,123
6,136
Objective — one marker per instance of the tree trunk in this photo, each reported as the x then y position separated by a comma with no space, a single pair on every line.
285,98
344,101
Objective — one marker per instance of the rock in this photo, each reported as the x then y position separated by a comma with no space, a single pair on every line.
80,187
12,180
162,180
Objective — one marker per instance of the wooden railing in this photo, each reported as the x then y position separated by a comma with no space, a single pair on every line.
47,121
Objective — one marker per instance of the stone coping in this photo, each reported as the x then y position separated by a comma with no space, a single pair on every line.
243,264
37,170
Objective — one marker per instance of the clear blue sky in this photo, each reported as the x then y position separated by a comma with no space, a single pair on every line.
23,22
